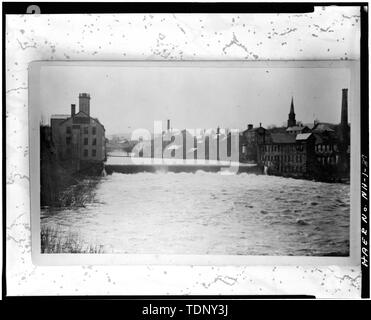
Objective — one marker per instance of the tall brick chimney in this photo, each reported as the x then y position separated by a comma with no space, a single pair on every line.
84,103
73,110
344,108
344,137
168,124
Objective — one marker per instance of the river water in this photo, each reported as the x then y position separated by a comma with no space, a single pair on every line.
209,213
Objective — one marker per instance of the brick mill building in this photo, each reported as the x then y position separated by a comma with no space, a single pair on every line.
288,154
79,138
321,150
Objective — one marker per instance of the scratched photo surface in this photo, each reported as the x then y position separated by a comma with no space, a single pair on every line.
196,159
329,33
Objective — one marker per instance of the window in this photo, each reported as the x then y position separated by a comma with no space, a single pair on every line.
86,130
94,141
68,130
94,153
68,140
81,120
94,130
86,141
86,152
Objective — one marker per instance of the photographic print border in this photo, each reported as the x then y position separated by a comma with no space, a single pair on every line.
55,8
163,259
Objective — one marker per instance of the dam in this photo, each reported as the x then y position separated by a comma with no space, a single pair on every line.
126,164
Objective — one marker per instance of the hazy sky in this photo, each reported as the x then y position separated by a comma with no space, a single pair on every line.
126,98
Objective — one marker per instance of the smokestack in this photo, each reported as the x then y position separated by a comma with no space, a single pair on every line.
344,108
344,160
84,103
73,110
168,124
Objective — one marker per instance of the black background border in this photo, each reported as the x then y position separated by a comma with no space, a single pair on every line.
186,7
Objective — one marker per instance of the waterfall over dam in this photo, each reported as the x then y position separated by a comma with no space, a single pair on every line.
125,164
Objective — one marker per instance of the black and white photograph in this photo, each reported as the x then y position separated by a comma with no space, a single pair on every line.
195,158
202,150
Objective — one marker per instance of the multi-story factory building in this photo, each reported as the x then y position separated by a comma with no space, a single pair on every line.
250,140
319,150
284,153
78,137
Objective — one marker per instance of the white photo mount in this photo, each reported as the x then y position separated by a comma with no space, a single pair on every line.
221,260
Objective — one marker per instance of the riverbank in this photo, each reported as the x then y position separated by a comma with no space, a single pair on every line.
56,241
64,182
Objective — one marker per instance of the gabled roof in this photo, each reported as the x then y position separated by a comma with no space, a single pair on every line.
254,129
303,136
84,114
277,130
321,126
296,128
60,116
282,138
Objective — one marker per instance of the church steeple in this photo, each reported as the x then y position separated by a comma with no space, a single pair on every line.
291,122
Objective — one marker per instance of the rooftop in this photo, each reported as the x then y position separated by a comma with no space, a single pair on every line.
323,127
295,128
282,138
254,129
82,95
60,116
303,136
